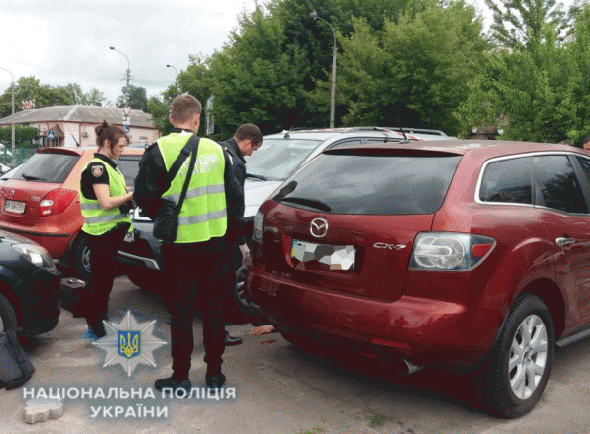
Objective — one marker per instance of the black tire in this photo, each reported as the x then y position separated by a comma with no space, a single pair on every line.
241,294
7,315
81,259
149,280
510,383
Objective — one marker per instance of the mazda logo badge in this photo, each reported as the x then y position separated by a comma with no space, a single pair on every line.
318,227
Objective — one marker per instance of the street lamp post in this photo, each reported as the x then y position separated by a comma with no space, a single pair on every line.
127,77
12,86
176,81
315,16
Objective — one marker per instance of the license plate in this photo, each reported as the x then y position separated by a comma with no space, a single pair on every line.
129,237
324,256
14,207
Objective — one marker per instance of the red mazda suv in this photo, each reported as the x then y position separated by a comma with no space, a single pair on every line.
466,256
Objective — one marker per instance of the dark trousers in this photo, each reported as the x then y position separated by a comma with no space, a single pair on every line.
103,261
231,311
206,264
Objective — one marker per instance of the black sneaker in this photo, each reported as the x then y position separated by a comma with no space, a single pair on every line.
173,384
215,381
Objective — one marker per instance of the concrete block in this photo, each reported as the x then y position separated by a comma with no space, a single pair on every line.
41,410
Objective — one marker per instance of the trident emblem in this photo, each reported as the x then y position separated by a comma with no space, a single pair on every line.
129,343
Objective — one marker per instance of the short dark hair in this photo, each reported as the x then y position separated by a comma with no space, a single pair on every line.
586,139
249,132
112,133
184,107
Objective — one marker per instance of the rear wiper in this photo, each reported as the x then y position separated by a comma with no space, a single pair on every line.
309,203
32,178
251,175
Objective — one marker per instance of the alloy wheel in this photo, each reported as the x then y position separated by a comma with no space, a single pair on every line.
528,357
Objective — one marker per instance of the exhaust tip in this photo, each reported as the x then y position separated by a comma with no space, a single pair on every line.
405,367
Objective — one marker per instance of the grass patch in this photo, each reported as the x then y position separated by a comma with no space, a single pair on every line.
315,430
377,420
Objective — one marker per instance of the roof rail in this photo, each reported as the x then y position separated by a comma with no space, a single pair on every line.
406,130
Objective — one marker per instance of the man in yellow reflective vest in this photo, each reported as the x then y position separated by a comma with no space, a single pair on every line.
199,251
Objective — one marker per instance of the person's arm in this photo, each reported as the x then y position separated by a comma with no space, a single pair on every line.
151,181
105,200
234,195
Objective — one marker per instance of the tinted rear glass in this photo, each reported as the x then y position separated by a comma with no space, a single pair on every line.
48,167
386,184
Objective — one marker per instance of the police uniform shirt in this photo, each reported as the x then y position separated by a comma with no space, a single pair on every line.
95,173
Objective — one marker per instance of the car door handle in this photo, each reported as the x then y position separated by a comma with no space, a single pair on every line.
564,241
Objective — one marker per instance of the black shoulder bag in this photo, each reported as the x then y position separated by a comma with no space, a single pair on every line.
15,367
166,224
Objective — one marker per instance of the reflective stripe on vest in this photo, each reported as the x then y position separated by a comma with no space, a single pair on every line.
97,220
203,214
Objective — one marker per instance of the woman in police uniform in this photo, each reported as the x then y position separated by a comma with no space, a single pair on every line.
105,205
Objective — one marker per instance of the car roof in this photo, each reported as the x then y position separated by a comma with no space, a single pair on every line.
483,148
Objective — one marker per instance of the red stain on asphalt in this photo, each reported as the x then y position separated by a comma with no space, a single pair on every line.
268,342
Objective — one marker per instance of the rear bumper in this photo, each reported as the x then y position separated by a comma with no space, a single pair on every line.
55,242
426,331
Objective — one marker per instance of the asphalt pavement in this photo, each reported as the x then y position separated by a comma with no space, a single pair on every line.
272,388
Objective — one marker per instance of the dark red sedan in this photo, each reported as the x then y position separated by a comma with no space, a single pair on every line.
466,256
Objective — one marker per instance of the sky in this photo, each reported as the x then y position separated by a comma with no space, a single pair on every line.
67,41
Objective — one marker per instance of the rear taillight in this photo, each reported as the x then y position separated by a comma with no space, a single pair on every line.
56,201
449,251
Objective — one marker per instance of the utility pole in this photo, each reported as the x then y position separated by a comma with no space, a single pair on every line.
313,15
128,75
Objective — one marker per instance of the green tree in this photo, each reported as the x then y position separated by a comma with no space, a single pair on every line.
31,89
518,22
160,110
137,98
258,78
414,73
23,136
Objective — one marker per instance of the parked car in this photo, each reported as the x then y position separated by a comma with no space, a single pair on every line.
40,201
280,155
465,256
29,286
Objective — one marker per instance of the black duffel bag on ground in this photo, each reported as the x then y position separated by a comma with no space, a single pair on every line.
15,367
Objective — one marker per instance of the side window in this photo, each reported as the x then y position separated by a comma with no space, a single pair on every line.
560,188
507,181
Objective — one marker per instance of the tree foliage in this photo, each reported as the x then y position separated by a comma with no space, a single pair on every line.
138,99
517,23
413,73
23,136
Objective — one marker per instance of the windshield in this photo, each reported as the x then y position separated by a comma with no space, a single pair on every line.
278,158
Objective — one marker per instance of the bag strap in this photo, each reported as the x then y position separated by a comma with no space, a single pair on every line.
191,166
191,144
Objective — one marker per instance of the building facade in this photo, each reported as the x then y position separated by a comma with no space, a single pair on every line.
73,126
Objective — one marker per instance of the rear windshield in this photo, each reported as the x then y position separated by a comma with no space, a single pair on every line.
47,167
385,184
